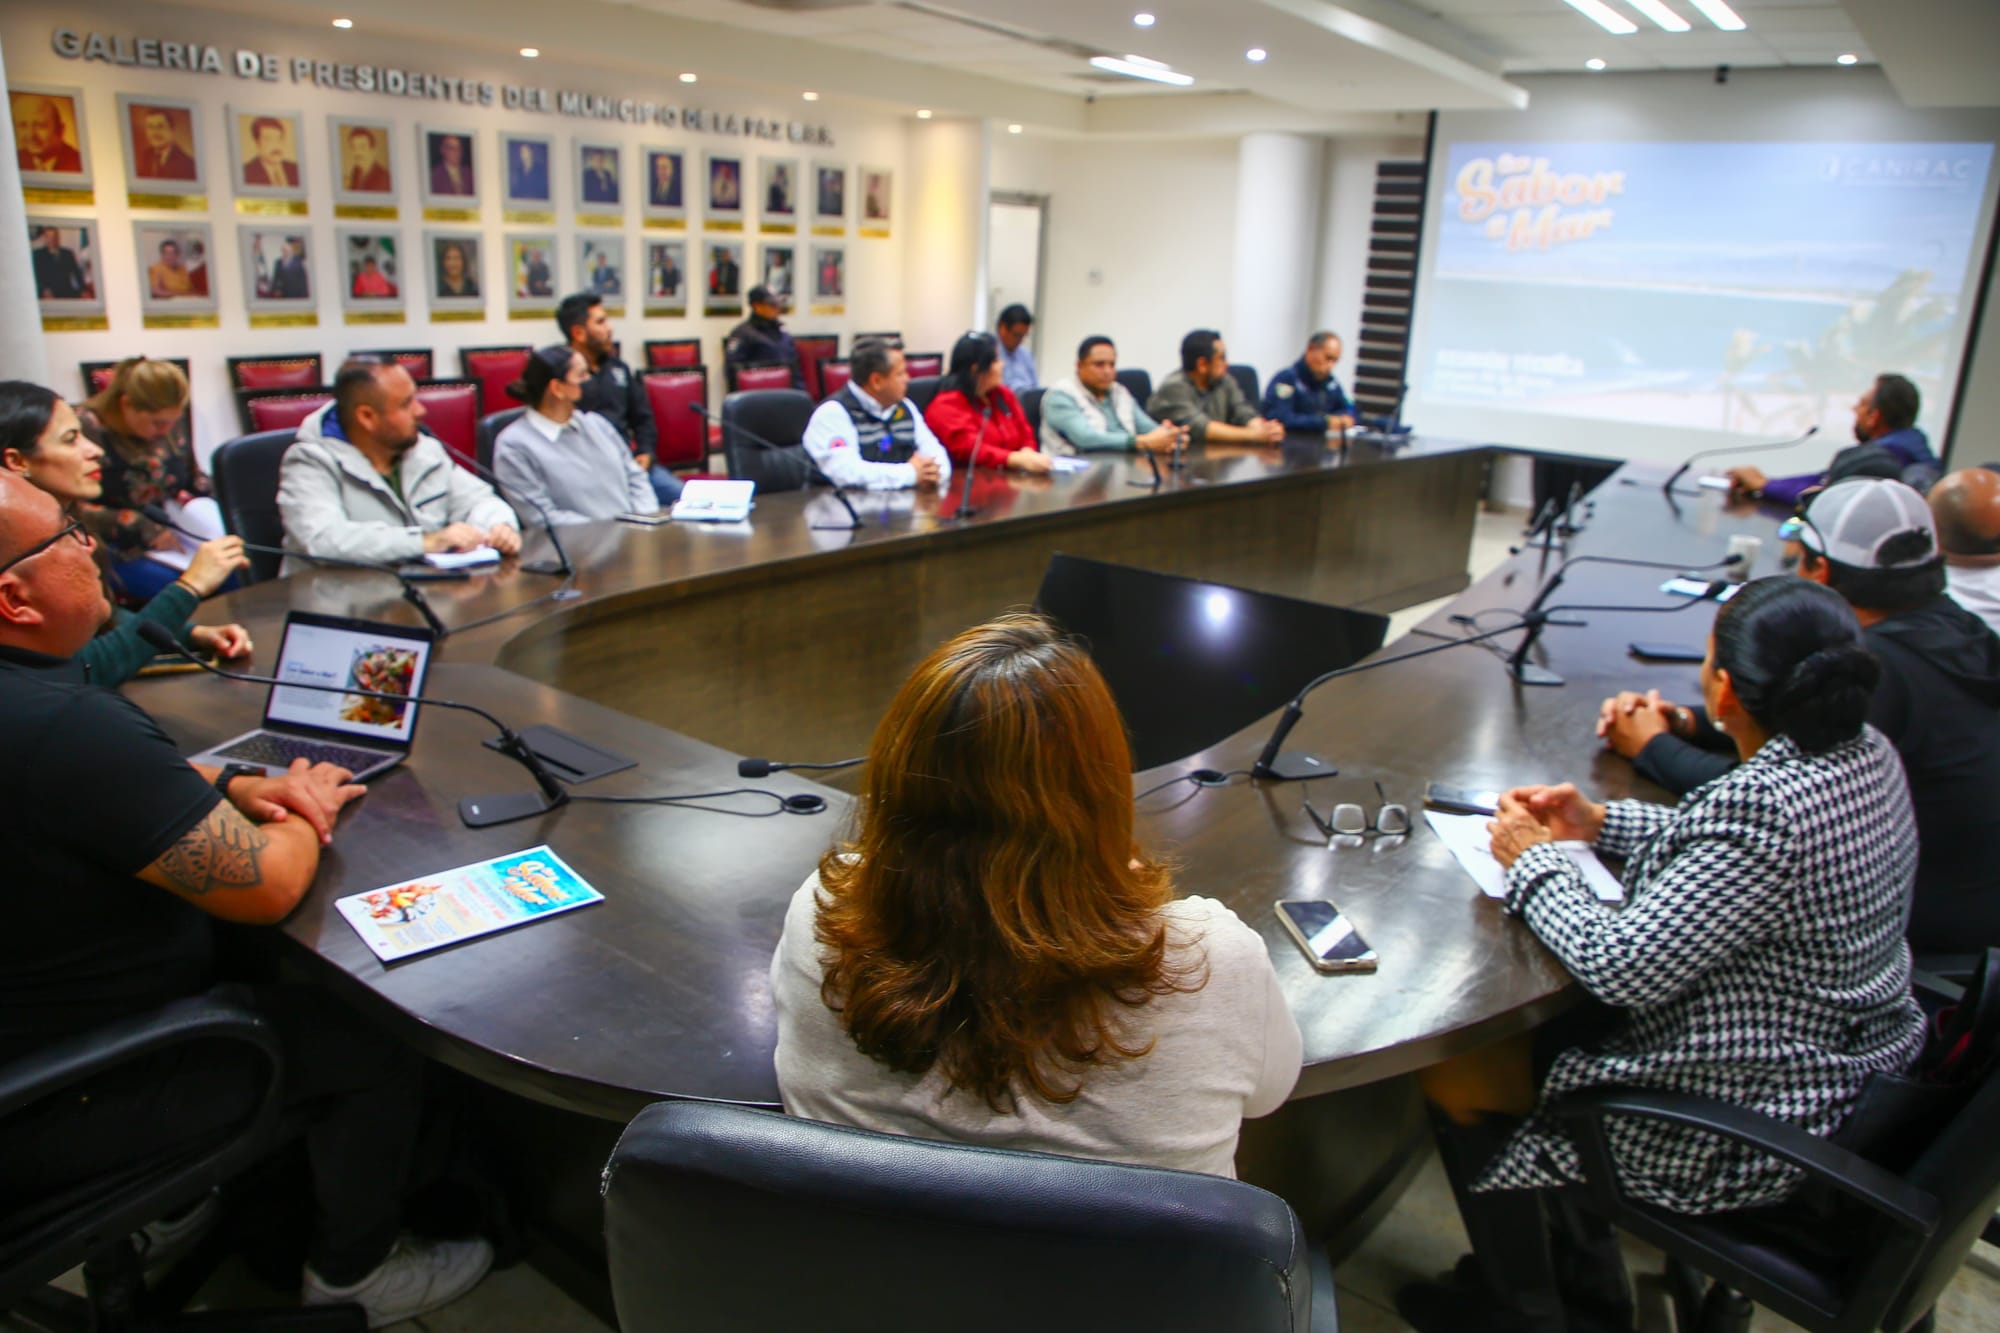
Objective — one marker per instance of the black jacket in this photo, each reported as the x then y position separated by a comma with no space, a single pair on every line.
1939,703
617,395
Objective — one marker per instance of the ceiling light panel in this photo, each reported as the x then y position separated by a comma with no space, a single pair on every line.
1604,16
1720,14
1657,11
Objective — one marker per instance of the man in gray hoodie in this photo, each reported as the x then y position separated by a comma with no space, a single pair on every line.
363,483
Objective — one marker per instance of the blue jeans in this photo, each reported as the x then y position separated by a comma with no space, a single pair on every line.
666,485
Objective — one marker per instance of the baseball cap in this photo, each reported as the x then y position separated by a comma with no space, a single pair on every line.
761,295
1850,521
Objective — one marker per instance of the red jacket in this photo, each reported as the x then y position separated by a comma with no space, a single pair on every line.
954,419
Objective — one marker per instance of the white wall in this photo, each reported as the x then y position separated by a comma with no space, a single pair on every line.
1278,198
875,267
944,208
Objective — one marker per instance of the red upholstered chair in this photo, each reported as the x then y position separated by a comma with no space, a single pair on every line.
924,363
281,409
97,374
662,352
742,379
833,375
451,412
813,349
495,368
417,360
275,372
683,436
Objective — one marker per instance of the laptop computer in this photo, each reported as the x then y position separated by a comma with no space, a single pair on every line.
365,736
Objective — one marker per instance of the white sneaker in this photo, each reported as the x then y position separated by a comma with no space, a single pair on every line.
416,1278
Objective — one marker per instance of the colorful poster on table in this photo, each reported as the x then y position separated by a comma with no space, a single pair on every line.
431,911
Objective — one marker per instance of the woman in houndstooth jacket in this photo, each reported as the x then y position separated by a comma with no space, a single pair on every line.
1760,961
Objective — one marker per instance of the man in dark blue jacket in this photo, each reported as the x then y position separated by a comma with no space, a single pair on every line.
1305,396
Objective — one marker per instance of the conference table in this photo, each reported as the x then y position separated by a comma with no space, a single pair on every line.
688,646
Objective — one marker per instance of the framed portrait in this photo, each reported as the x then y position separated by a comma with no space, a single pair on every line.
176,269
778,269
69,280
722,276
666,277
371,270
527,178
600,185
49,139
778,193
829,199
600,267
364,162
531,272
264,149
162,145
877,200
665,198
446,170
722,174
829,279
454,271
277,270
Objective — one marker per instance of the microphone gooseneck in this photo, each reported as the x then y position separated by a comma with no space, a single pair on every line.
1694,458
562,568
764,768
1537,616
839,491
965,509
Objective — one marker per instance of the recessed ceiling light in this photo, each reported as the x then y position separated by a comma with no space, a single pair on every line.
923,115
1593,63
1013,129
810,96
343,23
1848,58
1138,67
1143,20
1720,14
1604,16
687,78
531,51
1660,14
1255,55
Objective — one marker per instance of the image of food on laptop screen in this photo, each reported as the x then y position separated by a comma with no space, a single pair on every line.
373,661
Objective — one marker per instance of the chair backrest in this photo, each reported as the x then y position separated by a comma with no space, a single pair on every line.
719,1216
673,351
896,338
276,372
772,375
489,430
813,349
244,472
921,364
495,368
833,376
923,389
778,415
417,360
1031,407
1137,383
97,374
451,412
280,409
1247,377
683,436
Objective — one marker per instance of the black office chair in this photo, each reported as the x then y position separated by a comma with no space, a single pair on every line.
92,1224
1869,1243
923,389
1137,383
1031,407
488,431
245,474
1246,377
778,415
724,1217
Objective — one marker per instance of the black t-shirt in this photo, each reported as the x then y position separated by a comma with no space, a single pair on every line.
91,793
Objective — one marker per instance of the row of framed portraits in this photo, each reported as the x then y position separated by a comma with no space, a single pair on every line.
165,159
456,275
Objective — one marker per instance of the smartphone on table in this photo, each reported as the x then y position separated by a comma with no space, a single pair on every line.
1460,800
1326,937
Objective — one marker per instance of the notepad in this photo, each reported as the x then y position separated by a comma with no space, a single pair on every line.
1465,836
709,501
1065,463
478,555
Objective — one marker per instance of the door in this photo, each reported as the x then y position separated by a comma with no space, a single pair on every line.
1014,225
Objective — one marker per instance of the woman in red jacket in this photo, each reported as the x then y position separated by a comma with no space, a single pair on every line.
971,396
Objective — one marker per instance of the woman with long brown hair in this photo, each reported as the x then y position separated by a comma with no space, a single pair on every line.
993,959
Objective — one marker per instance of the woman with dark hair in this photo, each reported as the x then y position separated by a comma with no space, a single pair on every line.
1759,961
973,407
993,959
569,464
41,438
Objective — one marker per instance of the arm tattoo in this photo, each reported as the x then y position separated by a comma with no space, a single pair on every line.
222,852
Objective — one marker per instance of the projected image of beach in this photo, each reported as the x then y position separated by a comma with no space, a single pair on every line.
1742,288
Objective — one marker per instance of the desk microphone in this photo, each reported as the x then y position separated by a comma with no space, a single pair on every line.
473,811
411,592
764,768
562,567
1733,449
965,509
813,468
1153,460
1535,617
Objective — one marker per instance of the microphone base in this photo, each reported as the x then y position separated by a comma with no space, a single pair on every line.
1294,766
485,811
964,512
1529,674
832,527
542,567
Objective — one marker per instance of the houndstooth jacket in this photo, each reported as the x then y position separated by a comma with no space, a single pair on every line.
1760,961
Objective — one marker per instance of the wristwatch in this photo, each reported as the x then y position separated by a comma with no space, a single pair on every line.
231,772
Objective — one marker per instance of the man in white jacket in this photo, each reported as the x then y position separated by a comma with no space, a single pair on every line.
362,483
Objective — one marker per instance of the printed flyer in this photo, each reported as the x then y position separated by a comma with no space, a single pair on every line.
431,911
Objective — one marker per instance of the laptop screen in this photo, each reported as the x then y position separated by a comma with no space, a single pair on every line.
333,650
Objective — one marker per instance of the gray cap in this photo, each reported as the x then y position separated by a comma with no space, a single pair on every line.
1849,522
